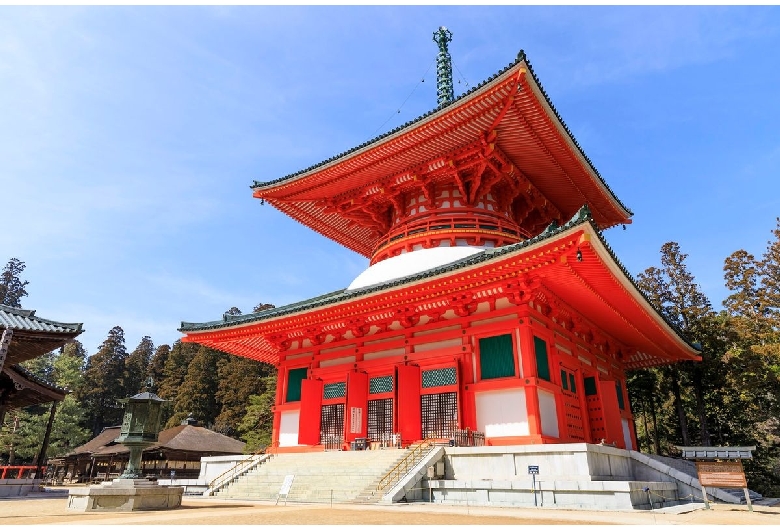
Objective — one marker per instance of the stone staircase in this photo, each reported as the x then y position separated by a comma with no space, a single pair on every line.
319,477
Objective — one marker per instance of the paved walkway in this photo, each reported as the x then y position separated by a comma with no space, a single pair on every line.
200,511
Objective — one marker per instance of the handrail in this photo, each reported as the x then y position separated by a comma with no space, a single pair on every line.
19,471
402,467
240,468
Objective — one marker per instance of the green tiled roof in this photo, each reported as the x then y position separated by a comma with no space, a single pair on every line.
440,110
581,217
25,319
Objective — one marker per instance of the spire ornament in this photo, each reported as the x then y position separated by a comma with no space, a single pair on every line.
444,89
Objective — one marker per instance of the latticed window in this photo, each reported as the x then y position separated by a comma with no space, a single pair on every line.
496,357
334,390
439,415
294,378
440,377
380,385
380,419
332,423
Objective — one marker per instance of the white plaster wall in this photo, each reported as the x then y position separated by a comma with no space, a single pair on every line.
548,413
410,263
288,428
502,413
213,466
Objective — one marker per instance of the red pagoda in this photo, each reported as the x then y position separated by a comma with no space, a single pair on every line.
492,302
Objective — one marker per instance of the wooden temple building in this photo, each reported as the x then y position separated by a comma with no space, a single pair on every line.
26,336
177,449
491,303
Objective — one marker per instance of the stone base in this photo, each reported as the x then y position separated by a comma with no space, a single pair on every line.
124,495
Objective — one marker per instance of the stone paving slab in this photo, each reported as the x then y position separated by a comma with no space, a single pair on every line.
204,511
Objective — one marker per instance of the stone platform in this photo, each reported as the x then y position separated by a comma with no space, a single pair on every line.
124,495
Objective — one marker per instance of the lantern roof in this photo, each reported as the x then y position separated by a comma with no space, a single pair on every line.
143,396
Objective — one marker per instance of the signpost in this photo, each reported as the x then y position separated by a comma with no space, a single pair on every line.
720,467
285,489
533,471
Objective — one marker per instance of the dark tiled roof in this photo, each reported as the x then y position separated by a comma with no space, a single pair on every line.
25,319
180,438
441,109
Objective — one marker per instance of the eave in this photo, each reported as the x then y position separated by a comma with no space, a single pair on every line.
528,130
598,286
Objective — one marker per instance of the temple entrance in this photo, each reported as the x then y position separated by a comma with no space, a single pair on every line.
439,415
598,430
380,419
332,425
572,405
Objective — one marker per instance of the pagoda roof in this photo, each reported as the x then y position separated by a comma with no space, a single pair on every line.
32,335
511,103
24,389
599,282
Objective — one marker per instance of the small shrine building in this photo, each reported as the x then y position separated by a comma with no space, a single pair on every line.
492,301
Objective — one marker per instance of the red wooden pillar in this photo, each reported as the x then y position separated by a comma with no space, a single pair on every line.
528,360
612,421
357,405
408,403
311,411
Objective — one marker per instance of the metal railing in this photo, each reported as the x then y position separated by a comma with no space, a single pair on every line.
332,443
236,471
416,453
468,438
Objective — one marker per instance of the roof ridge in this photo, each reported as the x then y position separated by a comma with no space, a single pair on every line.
30,314
438,108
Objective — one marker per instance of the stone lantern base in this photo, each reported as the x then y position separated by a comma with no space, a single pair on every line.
124,495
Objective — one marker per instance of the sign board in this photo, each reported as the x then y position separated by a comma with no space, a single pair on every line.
721,474
355,420
533,470
286,485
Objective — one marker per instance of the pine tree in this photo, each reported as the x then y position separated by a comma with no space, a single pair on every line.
156,369
177,363
257,425
12,288
197,394
137,365
239,378
674,292
103,384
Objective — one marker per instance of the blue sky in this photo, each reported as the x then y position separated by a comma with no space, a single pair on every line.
129,137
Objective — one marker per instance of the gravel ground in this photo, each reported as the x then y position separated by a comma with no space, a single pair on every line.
200,511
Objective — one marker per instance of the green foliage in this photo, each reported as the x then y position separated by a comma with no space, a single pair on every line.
177,363
12,288
137,366
731,397
239,378
198,392
257,425
103,384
